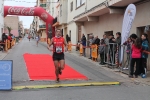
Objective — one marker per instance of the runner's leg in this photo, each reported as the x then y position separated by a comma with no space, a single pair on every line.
62,64
56,63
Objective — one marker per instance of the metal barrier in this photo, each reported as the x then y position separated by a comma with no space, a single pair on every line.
112,56
111,53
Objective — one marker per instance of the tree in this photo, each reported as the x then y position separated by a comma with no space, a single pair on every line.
9,29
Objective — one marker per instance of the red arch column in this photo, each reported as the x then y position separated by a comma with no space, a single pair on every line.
32,11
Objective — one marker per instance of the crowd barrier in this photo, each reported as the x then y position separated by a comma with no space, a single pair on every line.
94,49
111,55
8,44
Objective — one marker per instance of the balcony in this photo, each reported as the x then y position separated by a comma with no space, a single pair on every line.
42,26
43,5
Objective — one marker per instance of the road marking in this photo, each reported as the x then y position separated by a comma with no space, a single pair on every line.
65,85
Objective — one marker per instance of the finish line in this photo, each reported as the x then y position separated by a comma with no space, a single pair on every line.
65,85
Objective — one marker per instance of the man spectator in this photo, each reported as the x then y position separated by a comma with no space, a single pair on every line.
112,49
4,38
90,43
118,41
96,41
106,40
83,40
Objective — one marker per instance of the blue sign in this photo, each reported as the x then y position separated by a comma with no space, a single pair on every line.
6,75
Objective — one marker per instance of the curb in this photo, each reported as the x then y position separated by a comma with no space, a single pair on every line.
65,85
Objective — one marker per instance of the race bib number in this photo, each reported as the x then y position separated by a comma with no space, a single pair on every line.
58,49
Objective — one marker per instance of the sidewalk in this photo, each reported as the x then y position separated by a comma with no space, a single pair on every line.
2,55
105,67
139,79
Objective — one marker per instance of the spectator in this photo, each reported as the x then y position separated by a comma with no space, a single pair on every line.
83,40
118,50
106,40
145,47
10,39
112,49
136,57
118,39
133,37
128,51
90,43
96,41
4,37
78,46
101,51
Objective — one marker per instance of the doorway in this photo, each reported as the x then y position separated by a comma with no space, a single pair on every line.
88,37
108,33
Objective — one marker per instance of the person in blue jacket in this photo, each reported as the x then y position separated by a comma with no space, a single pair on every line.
145,47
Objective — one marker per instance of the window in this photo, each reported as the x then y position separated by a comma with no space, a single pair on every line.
60,10
79,3
71,6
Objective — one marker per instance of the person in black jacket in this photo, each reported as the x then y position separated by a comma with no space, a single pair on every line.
97,41
112,49
4,38
84,44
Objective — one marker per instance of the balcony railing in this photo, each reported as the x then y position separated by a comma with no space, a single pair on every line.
42,5
42,26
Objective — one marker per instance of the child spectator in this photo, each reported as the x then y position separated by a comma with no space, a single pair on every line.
128,51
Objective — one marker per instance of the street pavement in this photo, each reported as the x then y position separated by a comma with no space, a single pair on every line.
129,89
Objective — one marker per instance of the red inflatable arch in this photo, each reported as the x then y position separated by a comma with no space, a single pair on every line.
33,11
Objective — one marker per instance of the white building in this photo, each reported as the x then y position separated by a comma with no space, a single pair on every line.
77,17
1,17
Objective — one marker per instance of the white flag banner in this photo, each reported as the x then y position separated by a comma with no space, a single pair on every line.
126,26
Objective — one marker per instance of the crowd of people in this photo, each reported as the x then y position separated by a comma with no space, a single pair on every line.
110,47
5,37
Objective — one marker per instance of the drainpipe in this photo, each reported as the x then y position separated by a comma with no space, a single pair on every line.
85,5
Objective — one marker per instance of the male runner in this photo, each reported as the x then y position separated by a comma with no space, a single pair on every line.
58,43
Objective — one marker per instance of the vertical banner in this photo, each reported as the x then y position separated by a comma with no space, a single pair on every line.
6,75
127,24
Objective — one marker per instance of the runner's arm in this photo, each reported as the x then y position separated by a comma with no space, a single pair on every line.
49,45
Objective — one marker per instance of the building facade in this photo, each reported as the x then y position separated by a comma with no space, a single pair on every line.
1,17
12,22
40,24
99,17
20,28
77,17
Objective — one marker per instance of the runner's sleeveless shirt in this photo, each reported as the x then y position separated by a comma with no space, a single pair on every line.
58,44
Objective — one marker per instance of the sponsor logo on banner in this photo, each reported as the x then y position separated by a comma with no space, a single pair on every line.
21,11
127,24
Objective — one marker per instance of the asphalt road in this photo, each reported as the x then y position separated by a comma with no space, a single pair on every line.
128,90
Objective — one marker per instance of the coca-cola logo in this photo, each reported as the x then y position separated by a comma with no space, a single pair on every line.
21,11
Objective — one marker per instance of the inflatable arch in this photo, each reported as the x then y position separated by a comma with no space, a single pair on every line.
33,11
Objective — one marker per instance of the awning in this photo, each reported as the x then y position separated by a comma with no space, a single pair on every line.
102,9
